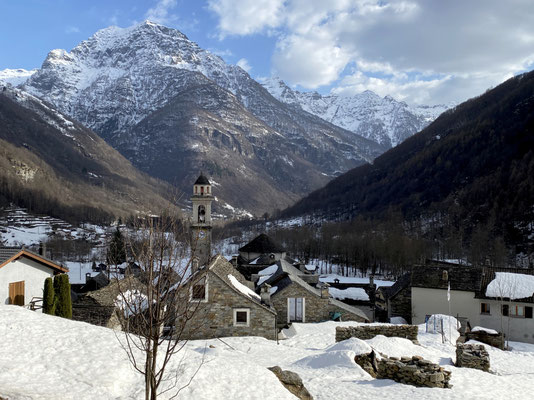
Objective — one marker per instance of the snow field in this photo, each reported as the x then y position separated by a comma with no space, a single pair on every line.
44,357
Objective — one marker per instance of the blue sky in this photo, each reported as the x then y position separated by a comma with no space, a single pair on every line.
420,51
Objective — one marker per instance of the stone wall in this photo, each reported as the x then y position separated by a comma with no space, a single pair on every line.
292,382
413,371
401,305
472,356
370,331
88,310
215,317
316,308
495,340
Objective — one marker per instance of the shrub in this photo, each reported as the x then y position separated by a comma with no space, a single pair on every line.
63,300
49,305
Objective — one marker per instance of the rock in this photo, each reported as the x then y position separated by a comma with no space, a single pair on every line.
292,382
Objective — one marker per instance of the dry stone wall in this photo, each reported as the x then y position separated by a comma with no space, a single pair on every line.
413,371
370,331
493,339
472,356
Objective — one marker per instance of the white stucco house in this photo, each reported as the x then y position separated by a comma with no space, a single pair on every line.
22,275
501,299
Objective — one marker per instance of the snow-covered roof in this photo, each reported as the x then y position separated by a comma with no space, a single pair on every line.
511,285
349,293
242,288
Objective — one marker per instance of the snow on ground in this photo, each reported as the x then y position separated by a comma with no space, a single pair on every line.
46,357
511,285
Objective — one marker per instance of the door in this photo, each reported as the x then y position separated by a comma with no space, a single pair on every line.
16,293
295,309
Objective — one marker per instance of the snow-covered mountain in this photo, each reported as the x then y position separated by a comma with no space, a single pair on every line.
173,108
15,76
383,120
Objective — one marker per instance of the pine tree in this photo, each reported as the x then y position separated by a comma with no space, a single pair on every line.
49,305
63,299
117,248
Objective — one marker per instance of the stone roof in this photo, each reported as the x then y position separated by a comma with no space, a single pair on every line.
220,267
107,295
202,180
488,275
461,277
11,253
262,244
401,283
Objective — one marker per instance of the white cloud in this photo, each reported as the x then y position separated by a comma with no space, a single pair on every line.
243,63
161,12
419,50
245,17
72,29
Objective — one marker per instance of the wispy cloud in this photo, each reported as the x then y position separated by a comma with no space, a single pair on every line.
72,29
161,12
243,63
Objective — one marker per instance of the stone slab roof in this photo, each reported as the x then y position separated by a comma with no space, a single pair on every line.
202,180
489,274
262,244
461,277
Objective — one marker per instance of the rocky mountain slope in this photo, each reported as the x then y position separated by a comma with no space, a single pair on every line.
15,76
473,166
52,164
132,84
382,120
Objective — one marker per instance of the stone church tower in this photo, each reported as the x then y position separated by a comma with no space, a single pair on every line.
201,223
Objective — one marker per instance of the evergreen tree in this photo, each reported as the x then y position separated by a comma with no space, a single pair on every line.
116,249
63,300
49,305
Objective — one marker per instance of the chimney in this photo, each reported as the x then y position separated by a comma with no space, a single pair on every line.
371,280
265,294
87,276
234,261
40,248
324,291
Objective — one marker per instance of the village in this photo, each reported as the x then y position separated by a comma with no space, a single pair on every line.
263,292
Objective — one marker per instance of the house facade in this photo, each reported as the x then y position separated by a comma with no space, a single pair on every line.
217,301
297,299
22,275
497,298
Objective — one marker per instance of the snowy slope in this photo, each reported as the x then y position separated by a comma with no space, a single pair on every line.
46,357
15,76
383,120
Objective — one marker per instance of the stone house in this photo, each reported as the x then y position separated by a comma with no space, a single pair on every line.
296,298
22,276
99,307
217,301
396,300
259,253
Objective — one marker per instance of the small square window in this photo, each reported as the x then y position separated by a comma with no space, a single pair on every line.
484,308
241,317
528,312
199,291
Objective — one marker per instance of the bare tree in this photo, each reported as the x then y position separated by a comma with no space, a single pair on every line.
153,328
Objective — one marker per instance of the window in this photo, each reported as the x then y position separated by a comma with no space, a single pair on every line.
504,310
517,311
199,290
528,312
196,191
201,213
241,316
484,308
202,190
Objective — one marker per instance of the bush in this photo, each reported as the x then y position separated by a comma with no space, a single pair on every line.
49,305
63,301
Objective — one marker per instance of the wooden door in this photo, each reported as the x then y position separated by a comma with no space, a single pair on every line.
16,293
295,309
